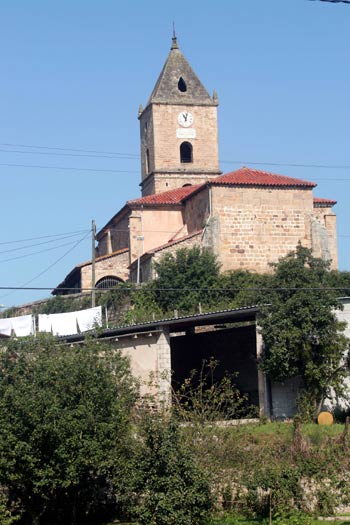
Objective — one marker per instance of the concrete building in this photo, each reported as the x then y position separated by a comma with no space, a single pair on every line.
249,218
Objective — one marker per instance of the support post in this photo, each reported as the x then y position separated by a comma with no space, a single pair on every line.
93,263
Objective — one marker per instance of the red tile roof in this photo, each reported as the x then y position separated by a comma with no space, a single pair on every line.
326,202
252,177
166,197
241,177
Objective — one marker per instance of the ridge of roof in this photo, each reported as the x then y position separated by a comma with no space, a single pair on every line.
165,198
252,177
103,257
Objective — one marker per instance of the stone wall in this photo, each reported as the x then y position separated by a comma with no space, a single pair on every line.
257,226
324,235
161,138
114,265
196,211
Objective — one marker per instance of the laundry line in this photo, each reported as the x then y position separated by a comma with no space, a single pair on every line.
60,324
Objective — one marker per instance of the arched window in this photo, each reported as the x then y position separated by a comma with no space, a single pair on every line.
182,85
187,184
110,281
186,152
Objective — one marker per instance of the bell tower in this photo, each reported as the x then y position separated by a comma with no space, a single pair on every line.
178,129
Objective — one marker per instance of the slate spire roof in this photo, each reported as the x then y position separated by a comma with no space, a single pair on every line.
178,83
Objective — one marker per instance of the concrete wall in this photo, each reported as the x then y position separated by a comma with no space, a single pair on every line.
284,397
149,356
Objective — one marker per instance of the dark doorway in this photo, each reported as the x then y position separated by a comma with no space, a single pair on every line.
233,348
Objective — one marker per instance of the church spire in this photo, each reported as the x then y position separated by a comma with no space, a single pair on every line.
178,83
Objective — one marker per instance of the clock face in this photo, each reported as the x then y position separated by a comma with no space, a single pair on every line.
185,119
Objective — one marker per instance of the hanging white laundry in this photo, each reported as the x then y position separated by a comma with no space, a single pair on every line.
44,323
64,324
5,327
89,319
22,325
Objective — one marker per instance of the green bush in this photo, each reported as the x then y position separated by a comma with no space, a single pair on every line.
172,489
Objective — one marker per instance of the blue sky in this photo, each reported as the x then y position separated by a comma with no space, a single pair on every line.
73,73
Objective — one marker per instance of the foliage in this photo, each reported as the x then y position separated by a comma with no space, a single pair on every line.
185,278
202,398
301,332
64,426
172,489
242,288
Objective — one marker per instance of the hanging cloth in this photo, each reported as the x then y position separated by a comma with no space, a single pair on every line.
22,325
89,319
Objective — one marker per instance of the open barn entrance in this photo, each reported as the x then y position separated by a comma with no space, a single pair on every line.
233,348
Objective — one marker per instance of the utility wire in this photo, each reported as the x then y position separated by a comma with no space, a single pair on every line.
65,168
39,244
23,256
118,155
334,1
23,286
44,237
91,155
180,289
69,149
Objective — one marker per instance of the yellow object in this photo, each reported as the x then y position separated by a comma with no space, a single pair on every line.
325,418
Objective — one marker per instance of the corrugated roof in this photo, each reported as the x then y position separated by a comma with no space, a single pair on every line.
325,202
252,177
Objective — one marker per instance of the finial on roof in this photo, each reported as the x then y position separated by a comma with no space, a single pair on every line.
174,45
140,109
215,96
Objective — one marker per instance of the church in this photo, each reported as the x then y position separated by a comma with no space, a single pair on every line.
249,218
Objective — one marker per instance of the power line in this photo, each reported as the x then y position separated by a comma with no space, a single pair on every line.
132,156
23,286
289,165
36,253
44,237
181,289
65,168
334,1
39,244
91,155
69,149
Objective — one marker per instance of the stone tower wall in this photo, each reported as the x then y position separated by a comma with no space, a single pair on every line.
163,136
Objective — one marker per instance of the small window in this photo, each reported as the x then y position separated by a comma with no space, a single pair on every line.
186,152
147,160
185,185
182,85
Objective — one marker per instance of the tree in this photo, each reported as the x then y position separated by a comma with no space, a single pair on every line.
300,330
64,426
184,280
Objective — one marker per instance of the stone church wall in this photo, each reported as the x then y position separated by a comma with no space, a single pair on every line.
196,211
259,225
116,265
